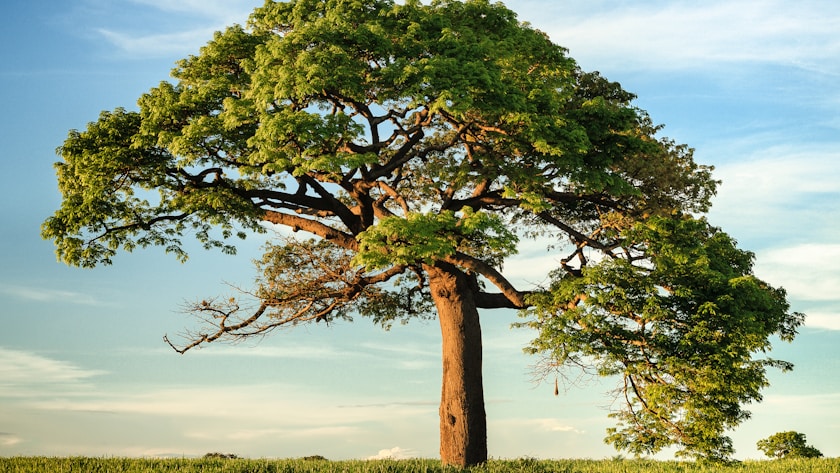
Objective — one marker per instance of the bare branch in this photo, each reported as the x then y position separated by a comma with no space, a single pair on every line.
301,281
222,314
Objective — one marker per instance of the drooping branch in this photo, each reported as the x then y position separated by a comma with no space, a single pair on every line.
301,281
218,315
221,314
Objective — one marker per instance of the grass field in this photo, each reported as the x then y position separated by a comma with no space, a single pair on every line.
135,465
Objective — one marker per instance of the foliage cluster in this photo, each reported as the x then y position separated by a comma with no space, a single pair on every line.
788,444
659,319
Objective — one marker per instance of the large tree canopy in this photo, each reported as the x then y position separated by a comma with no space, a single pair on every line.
417,145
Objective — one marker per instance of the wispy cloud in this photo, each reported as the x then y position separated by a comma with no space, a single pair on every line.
271,404
781,201
219,10
816,403
790,194
545,424
7,439
415,350
809,272
291,351
795,189
245,418
778,171
383,405
298,432
529,270
825,318
22,372
42,294
158,28
695,35
159,44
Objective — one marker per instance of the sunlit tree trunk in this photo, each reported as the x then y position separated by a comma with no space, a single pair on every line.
463,423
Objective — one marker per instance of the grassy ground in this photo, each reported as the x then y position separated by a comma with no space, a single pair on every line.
134,465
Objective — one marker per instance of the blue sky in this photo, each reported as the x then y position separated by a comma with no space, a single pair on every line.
754,86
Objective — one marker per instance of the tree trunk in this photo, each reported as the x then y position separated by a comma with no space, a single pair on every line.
463,422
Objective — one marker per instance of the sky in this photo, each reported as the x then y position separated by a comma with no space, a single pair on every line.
753,86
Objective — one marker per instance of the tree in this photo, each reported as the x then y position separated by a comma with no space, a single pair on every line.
417,145
788,444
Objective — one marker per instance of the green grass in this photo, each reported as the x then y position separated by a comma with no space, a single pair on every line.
147,465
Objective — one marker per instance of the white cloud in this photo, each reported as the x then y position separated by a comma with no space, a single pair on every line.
243,435
167,28
544,424
255,420
411,350
552,425
778,172
291,351
823,319
160,44
7,439
526,272
780,194
291,406
781,202
407,356
20,371
695,35
809,272
40,294
227,11
810,405
395,453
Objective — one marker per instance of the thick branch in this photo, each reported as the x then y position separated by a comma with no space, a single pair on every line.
495,300
515,297
402,156
325,203
482,201
296,222
390,192
347,217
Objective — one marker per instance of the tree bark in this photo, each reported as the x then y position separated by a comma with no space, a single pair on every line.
463,422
